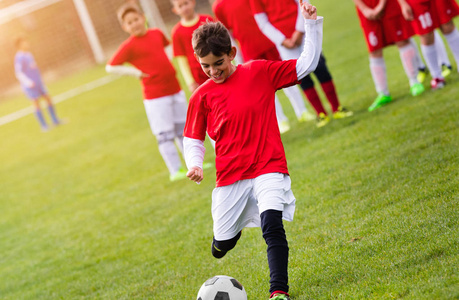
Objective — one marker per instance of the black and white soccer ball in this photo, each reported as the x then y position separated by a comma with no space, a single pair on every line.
222,287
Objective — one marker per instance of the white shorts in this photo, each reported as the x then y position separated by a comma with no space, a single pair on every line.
240,204
286,53
164,112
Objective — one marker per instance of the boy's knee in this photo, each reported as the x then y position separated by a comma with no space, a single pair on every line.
165,136
220,248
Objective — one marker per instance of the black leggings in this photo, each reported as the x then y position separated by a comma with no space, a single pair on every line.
321,72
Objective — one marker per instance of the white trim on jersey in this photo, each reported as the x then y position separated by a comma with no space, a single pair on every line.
194,151
268,29
309,58
123,70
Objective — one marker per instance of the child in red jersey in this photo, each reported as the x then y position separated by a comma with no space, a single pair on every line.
238,19
236,107
181,41
165,103
383,24
425,16
279,20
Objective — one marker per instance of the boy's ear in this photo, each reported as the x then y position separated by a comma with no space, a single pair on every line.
232,53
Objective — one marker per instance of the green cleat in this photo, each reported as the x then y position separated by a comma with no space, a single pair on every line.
417,89
279,297
381,100
284,126
422,74
342,113
446,70
180,174
306,116
322,120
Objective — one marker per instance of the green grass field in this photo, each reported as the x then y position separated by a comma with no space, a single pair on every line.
87,210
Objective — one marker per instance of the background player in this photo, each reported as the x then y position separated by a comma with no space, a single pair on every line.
237,17
253,186
181,41
165,103
31,82
281,22
383,25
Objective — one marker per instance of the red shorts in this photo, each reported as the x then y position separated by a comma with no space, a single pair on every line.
425,16
446,10
385,32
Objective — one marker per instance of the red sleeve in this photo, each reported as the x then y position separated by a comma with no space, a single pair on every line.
257,7
121,55
177,46
196,118
164,38
282,73
220,15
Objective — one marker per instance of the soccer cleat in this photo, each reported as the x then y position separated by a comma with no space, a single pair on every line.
341,113
446,70
322,120
277,296
180,174
381,100
284,126
422,74
437,83
417,89
306,116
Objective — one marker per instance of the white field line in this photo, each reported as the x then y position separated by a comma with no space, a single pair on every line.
59,98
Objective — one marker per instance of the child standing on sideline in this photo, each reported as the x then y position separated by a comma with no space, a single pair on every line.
253,187
280,21
165,103
29,77
182,33
383,25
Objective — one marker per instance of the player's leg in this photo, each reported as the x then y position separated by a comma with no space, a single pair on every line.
51,110
451,35
326,81
282,120
161,118
430,55
313,97
379,75
409,61
179,107
422,69
38,114
233,208
443,58
275,202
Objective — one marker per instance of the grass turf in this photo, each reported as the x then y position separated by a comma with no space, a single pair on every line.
87,210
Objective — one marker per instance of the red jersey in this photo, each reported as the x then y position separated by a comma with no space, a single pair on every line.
281,14
236,15
242,119
146,53
181,43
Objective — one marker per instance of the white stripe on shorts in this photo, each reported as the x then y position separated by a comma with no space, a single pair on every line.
240,204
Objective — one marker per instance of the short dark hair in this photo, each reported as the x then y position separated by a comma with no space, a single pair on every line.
125,9
211,37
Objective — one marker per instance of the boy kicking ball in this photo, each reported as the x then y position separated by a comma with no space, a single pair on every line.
253,186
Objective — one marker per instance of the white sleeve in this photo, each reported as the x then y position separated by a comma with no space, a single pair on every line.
23,79
193,151
123,70
268,29
309,58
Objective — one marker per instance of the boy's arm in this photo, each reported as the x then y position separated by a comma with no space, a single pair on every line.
21,76
309,58
268,29
371,13
193,151
184,67
125,70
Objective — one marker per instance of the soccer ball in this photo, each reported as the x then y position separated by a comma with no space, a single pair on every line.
222,287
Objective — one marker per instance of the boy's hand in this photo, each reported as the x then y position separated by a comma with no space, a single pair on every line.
195,174
407,11
289,44
297,38
309,11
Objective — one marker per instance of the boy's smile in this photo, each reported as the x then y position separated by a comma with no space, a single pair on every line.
218,68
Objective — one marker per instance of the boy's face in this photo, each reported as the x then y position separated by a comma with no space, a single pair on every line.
134,24
218,68
184,8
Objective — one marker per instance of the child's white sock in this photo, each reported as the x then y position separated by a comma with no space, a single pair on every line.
430,55
409,62
453,42
379,74
441,50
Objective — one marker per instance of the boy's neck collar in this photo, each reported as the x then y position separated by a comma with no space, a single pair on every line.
191,22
